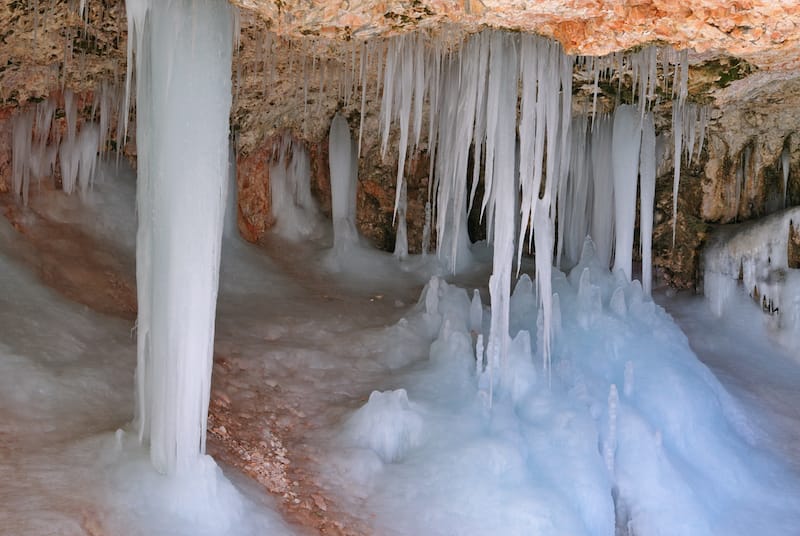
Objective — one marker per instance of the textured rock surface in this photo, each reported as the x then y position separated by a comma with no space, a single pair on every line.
755,122
764,32
45,45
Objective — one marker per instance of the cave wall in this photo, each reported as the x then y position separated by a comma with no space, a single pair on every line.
300,62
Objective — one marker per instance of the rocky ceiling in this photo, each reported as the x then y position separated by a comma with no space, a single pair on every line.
295,56
765,33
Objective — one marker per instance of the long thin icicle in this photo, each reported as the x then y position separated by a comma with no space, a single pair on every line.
647,191
682,78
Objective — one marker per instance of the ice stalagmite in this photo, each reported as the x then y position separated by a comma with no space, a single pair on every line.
647,193
183,90
625,162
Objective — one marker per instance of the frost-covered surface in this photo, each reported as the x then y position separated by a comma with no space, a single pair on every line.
630,431
757,253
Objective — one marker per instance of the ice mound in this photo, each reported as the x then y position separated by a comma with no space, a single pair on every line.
387,424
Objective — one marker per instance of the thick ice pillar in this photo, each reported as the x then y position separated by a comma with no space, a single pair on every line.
183,89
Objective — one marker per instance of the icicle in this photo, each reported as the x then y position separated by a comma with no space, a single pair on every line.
500,143
578,207
681,82
22,129
343,184
531,133
785,165
182,141
381,55
647,191
293,207
420,73
351,80
387,102
426,230
404,102
401,238
595,89
363,77
78,159
305,94
702,128
690,122
602,227
565,148
480,114
625,161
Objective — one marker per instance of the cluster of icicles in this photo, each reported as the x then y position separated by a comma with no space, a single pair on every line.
39,144
551,175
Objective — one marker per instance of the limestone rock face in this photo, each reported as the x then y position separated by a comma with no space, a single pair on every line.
746,144
764,32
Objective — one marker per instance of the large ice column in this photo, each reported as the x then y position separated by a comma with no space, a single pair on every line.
183,88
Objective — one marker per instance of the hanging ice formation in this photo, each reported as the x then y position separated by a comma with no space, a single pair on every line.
757,253
293,207
579,171
344,169
38,148
682,76
647,193
182,141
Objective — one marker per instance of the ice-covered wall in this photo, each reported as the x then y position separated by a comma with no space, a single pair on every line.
754,257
